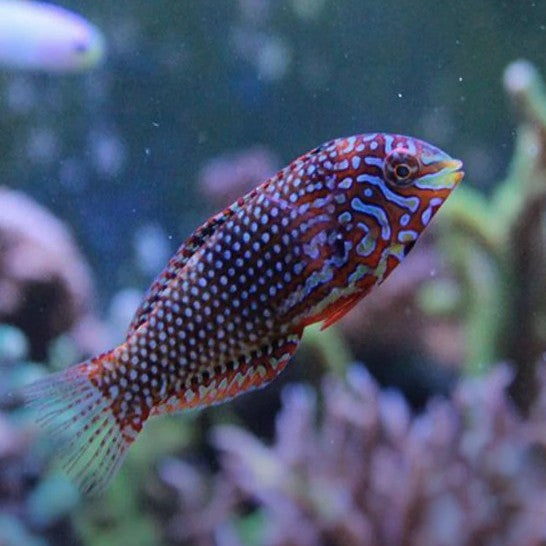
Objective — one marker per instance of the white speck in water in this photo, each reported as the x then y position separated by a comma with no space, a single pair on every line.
147,151
400,95
155,124
460,78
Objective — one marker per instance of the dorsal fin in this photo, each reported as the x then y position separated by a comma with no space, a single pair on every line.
196,240
188,248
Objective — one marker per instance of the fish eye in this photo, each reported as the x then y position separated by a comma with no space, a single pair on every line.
402,171
80,48
400,167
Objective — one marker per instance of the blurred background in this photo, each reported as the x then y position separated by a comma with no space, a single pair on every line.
421,418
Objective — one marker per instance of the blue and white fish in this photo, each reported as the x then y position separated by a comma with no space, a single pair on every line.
45,37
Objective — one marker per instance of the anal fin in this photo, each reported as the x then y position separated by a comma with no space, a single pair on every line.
250,371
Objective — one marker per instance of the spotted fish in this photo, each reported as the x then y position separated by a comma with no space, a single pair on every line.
229,310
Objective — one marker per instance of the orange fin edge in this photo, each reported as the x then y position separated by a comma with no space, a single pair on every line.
247,373
335,311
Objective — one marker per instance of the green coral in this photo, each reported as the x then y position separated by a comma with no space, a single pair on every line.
497,244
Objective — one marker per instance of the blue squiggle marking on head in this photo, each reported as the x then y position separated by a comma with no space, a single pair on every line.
389,140
407,236
376,212
410,203
373,161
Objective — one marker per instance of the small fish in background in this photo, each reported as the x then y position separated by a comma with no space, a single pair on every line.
229,310
44,37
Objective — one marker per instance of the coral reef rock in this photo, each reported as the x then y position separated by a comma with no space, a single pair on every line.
45,283
223,179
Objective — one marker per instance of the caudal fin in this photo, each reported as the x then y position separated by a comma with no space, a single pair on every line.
92,443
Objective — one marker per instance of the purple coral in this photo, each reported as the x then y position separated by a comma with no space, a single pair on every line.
227,177
42,268
465,472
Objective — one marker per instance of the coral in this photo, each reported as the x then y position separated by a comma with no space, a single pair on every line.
45,283
498,248
364,470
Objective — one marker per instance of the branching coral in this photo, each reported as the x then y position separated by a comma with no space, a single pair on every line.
463,473
498,246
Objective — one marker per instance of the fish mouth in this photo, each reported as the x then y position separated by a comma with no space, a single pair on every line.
454,169
445,173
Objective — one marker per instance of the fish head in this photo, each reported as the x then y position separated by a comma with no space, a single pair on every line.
81,47
405,180
88,49
65,42
41,36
